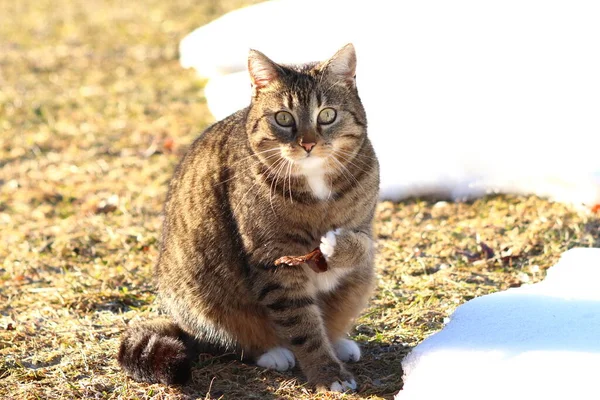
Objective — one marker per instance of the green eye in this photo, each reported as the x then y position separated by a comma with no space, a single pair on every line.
284,118
326,116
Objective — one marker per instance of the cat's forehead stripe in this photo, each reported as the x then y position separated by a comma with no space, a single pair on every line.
303,97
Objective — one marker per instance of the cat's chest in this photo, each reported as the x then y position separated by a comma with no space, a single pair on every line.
313,172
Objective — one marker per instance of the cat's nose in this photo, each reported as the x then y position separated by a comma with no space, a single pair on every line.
308,146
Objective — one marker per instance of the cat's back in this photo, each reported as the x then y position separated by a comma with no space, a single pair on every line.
204,168
214,148
198,202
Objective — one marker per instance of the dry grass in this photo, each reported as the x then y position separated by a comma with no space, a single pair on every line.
95,111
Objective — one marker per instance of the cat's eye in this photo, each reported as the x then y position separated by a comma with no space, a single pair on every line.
326,116
284,118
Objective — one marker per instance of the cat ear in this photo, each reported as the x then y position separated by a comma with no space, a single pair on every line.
263,71
343,64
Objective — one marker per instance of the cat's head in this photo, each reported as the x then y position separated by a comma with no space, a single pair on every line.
310,114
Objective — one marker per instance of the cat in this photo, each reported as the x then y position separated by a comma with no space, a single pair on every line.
293,171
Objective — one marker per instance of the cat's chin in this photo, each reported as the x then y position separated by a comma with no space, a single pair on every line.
310,164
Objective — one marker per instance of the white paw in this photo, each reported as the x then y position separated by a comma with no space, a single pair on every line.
347,350
328,243
278,358
343,386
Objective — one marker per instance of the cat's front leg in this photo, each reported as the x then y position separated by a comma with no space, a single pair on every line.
346,248
295,315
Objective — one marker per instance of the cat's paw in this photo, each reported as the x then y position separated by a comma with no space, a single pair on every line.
347,350
335,378
328,243
278,358
343,386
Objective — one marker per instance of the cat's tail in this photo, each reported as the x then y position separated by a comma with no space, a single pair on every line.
157,351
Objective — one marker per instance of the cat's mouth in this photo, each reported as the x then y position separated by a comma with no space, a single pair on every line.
311,161
316,152
310,164
317,160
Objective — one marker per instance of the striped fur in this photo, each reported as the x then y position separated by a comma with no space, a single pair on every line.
246,194
156,352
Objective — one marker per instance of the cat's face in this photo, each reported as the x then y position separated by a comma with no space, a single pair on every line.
306,118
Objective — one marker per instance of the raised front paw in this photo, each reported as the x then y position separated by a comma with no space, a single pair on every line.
347,248
328,243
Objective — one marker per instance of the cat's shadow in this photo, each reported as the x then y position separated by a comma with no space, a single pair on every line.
226,377
378,373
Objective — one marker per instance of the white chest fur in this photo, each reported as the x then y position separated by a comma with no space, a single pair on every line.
313,170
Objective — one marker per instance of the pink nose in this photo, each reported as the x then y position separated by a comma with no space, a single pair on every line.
308,146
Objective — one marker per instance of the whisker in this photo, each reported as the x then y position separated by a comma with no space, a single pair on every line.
256,154
365,161
280,161
249,167
356,155
284,179
252,155
268,172
291,163
340,172
356,166
244,196
348,172
277,178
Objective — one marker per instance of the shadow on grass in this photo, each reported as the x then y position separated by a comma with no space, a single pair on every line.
378,373
226,377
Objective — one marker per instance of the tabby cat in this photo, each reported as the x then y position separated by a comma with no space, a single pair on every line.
291,172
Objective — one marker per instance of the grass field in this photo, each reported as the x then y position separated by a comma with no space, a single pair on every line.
95,112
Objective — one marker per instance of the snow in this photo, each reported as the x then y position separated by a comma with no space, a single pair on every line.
537,341
464,98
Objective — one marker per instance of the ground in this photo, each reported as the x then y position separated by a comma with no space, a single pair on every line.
95,112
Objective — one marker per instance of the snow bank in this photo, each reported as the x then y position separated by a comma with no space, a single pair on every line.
463,98
538,341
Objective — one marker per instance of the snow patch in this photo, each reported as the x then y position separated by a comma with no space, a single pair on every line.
536,341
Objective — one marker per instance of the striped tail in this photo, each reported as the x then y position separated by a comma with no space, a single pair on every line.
157,351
